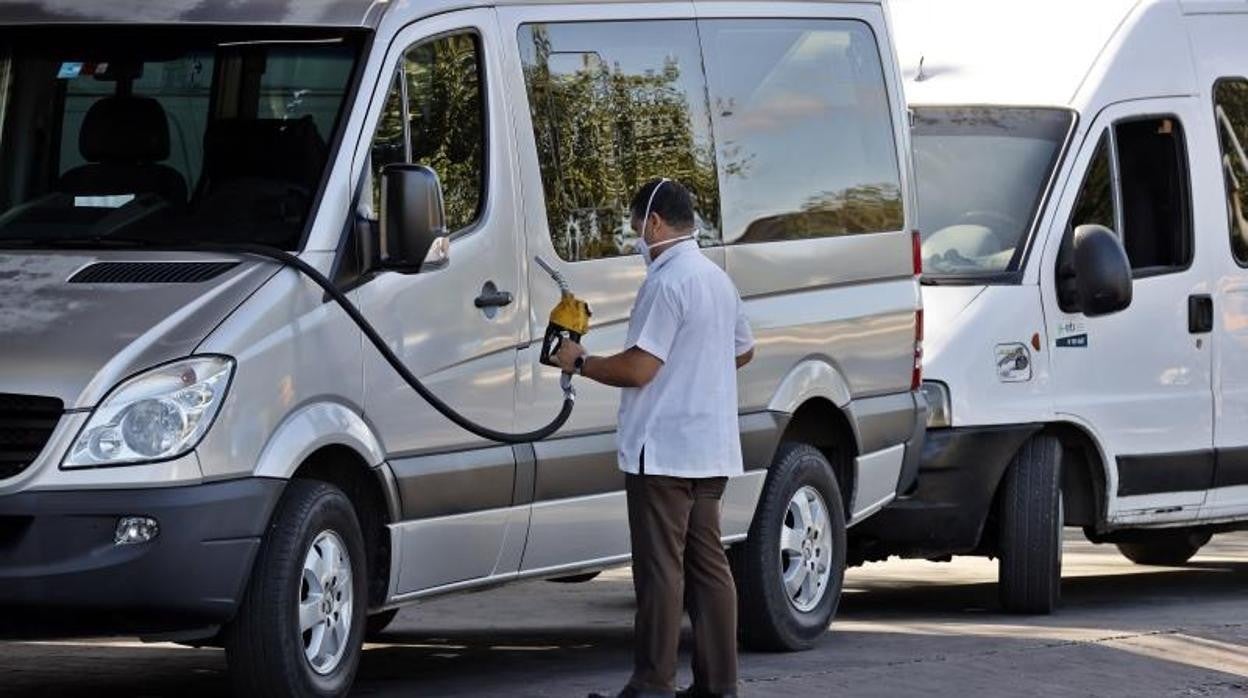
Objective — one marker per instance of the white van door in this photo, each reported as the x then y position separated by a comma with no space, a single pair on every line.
457,325
1139,379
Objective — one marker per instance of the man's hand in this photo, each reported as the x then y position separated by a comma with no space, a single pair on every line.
567,355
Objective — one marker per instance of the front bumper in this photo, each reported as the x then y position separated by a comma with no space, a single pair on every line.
57,552
945,512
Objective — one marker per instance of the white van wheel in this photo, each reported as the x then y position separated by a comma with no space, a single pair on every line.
790,570
1029,571
300,629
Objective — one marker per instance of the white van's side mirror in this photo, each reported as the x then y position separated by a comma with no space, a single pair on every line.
413,219
1102,271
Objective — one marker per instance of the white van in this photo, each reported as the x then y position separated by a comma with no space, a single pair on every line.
1082,179
198,439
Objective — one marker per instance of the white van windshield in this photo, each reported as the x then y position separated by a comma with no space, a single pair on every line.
982,172
166,136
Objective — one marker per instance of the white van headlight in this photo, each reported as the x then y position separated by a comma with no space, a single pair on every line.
157,415
939,410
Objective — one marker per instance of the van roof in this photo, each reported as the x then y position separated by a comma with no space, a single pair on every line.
1033,52
329,13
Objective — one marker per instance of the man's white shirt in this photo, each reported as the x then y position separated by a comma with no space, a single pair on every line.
689,315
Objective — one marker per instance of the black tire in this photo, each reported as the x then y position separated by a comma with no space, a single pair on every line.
378,622
576,578
1166,548
1029,571
264,645
768,618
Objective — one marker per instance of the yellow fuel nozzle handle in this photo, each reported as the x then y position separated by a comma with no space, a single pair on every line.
572,314
568,320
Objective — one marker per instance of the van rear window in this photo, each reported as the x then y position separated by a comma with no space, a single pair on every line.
803,128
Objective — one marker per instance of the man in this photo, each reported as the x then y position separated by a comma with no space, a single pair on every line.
679,441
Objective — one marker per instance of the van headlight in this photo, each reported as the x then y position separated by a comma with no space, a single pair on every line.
939,410
157,415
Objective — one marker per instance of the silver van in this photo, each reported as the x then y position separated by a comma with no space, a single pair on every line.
206,207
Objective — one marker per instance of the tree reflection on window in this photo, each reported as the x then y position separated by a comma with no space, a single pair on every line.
613,105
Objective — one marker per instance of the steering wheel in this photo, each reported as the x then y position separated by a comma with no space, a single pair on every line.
1004,226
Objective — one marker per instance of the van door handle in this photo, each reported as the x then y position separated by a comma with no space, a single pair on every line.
1200,314
491,297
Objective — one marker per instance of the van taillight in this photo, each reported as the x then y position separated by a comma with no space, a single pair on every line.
916,246
916,378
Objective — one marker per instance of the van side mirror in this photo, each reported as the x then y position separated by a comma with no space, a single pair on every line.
412,227
1102,271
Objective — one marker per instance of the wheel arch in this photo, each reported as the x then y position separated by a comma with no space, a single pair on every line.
812,377
1084,475
1083,479
820,423
371,493
815,395
330,442
311,428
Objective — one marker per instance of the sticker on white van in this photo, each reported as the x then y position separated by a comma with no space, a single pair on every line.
1072,335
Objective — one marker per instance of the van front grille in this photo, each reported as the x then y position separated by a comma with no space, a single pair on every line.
26,424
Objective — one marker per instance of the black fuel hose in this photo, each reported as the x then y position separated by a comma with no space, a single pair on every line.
292,261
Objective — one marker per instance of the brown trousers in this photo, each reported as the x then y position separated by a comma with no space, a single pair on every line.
678,558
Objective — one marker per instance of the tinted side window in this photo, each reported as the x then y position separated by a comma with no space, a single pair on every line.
1230,99
1152,167
1095,204
441,124
390,142
613,105
805,134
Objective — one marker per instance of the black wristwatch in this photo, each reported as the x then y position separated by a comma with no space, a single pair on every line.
579,365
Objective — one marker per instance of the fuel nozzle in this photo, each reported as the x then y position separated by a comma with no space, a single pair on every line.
568,321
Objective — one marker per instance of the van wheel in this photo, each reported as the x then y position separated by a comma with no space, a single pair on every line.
1166,548
1029,572
300,628
790,569
378,622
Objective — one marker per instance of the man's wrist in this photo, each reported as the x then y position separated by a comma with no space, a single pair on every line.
578,366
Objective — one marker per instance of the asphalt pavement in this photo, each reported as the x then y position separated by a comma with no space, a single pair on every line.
906,628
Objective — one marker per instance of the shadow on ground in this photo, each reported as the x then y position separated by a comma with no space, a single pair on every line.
1178,631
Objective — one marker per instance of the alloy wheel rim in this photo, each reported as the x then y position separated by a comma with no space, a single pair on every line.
806,549
326,602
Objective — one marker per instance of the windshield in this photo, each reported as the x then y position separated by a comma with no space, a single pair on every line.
166,136
981,173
